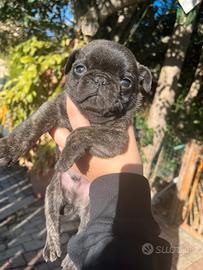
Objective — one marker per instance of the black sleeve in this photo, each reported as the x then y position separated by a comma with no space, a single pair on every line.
121,233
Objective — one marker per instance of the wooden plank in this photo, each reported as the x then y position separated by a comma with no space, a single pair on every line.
188,170
194,187
200,230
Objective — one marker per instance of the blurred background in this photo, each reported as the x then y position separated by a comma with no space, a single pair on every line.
36,37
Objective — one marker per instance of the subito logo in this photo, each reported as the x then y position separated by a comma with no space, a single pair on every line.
147,249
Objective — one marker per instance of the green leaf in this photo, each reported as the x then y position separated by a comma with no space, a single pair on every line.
32,69
26,59
29,98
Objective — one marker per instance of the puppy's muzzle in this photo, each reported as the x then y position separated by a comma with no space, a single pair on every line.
116,108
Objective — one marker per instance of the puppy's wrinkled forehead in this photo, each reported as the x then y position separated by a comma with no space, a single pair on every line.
108,56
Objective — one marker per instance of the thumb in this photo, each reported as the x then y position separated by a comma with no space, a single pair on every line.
76,118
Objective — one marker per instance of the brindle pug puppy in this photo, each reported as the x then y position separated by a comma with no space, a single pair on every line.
105,81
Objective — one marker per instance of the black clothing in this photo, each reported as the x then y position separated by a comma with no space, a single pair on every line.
120,224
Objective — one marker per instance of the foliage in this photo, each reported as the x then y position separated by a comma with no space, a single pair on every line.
41,18
145,134
186,123
184,19
35,73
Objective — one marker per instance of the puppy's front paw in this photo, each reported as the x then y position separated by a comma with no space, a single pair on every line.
5,155
52,250
72,152
67,264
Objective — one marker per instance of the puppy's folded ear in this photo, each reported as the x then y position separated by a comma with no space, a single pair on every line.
145,78
71,59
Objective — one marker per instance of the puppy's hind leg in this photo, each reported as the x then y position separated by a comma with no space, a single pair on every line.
83,212
53,203
67,264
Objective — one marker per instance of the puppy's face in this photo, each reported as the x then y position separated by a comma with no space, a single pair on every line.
105,78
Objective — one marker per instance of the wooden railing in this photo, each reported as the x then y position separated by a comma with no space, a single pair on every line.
187,205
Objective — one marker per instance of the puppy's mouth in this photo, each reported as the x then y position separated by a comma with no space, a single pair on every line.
97,104
85,98
116,108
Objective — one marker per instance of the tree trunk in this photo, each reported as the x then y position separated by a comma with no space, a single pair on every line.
196,84
167,85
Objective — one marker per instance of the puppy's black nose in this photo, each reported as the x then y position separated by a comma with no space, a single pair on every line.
100,80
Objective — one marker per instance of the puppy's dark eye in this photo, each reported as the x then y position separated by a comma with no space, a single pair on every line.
126,83
80,69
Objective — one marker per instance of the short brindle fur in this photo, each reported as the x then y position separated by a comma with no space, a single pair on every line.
105,81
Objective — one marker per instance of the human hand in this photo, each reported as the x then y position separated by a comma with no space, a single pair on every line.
91,167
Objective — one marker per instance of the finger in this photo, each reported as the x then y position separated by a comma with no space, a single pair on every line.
59,135
76,118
